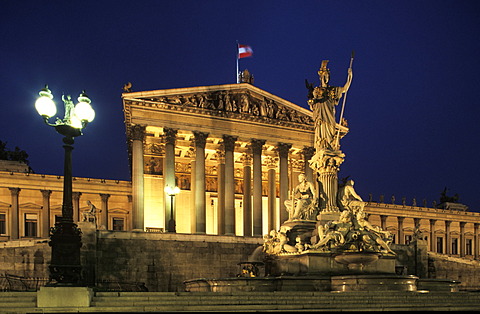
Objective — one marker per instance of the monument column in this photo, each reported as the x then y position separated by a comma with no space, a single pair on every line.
462,239
475,240
76,206
14,212
247,195
257,146
169,173
138,214
104,213
283,150
221,192
448,248
229,146
46,213
200,197
432,235
401,236
272,192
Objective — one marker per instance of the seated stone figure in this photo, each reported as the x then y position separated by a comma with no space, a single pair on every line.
348,199
334,233
304,206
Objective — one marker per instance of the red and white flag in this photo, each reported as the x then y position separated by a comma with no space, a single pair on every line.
244,51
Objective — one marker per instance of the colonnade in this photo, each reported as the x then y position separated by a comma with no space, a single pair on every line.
439,229
252,178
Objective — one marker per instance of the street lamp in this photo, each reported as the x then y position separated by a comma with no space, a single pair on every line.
172,192
66,237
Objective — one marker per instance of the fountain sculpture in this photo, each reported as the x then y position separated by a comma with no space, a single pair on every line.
327,243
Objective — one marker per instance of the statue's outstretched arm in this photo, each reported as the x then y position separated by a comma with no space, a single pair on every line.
349,80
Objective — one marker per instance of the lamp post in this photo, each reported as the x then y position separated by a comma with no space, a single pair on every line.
66,237
172,192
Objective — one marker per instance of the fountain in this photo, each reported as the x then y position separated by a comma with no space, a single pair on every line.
327,243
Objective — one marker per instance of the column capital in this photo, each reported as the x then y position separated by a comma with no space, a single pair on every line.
170,135
229,142
271,162
46,193
15,191
257,145
400,219
200,139
137,132
104,197
76,195
246,159
447,223
308,152
283,149
220,155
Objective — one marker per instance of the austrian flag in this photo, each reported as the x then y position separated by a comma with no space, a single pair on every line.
244,51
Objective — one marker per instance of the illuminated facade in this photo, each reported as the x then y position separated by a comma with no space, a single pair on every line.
235,152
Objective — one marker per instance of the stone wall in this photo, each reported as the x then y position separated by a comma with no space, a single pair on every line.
163,261
27,258
466,271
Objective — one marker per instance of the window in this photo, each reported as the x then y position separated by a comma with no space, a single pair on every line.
439,245
30,225
454,246
3,224
468,247
118,224
408,239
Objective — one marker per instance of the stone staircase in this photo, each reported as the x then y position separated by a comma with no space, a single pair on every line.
116,302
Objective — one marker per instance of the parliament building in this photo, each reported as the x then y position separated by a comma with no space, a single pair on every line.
234,153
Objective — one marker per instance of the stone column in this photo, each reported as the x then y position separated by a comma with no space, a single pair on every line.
257,146
169,173
247,195
476,249
193,169
462,239
45,233
229,146
401,236
200,197
77,215
138,210
448,245
221,192
283,150
272,192
433,246
104,213
307,155
14,213
383,222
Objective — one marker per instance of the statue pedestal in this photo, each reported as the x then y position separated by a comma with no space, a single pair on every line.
63,296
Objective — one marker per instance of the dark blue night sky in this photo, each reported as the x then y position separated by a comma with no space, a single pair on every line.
412,108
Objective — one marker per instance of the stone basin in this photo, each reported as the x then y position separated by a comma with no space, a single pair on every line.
356,260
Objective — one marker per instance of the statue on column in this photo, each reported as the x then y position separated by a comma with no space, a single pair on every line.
322,101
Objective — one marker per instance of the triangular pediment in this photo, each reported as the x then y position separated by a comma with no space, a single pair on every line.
4,205
233,101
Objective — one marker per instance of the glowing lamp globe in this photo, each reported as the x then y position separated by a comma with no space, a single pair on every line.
44,104
83,110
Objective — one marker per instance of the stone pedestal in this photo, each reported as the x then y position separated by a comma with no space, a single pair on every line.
64,297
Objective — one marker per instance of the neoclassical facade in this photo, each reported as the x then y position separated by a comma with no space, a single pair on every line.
235,152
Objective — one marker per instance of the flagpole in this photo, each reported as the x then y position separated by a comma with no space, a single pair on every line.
237,62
